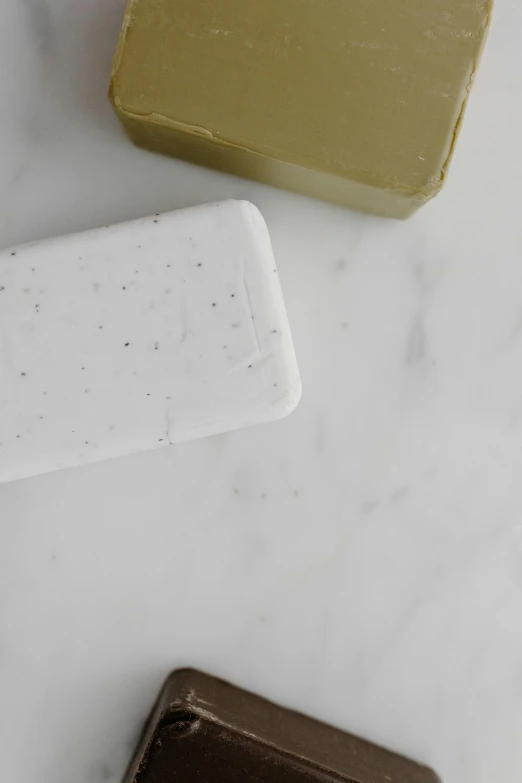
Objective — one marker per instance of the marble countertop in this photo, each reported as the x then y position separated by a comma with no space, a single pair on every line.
361,560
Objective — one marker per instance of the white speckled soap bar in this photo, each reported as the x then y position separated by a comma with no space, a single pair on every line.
140,335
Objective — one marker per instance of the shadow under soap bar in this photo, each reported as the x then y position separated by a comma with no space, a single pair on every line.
355,102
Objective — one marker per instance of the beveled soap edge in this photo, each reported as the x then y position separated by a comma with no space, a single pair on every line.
204,150
489,6
259,289
185,685
357,191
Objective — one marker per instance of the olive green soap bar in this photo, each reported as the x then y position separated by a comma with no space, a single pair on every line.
358,102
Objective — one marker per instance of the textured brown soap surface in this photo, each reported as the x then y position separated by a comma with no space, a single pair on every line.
204,730
356,101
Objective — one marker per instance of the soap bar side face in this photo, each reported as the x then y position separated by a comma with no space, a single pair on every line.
369,91
203,750
140,335
203,151
204,726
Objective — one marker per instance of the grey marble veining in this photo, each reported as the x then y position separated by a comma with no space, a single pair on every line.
361,560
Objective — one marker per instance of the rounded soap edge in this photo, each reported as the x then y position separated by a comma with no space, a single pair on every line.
287,402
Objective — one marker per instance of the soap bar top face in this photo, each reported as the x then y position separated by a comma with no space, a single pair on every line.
203,729
368,90
138,335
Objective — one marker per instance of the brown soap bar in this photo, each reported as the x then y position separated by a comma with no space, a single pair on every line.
358,102
204,730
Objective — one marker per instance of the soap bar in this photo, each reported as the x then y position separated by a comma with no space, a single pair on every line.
203,729
140,335
357,102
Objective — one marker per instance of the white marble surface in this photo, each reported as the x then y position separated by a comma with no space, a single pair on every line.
361,560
